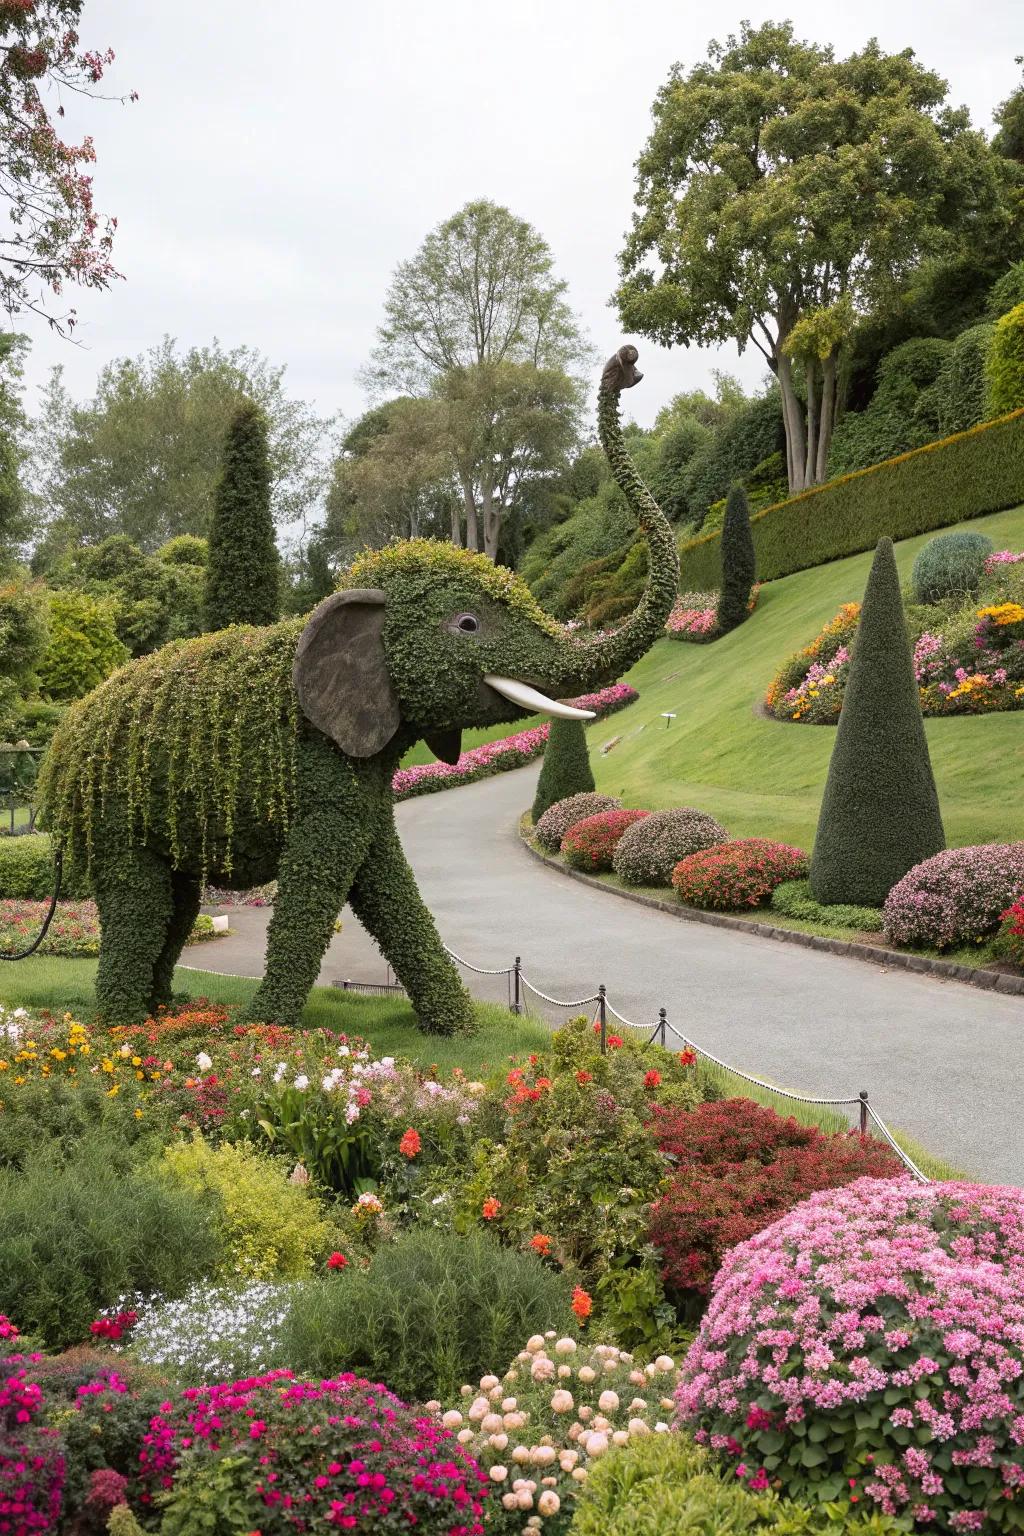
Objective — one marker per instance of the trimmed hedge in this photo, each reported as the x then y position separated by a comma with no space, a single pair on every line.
566,768
26,870
945,482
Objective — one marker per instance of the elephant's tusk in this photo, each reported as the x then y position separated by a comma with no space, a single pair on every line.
533,699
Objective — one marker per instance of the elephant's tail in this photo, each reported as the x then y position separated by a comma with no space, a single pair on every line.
23,954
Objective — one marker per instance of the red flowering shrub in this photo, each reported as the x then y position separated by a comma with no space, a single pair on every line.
337,1453
1010,943
740,1167
591,844
731,876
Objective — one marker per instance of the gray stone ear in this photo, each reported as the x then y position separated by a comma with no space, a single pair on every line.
340,672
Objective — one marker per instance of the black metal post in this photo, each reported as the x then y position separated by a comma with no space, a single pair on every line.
602,1013
516,1007
662,1020
863,1111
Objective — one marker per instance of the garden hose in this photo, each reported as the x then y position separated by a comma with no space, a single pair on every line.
58,864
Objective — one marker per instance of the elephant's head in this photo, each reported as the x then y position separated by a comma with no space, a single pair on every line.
427,640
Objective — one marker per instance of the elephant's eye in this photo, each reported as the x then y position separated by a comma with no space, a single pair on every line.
468,623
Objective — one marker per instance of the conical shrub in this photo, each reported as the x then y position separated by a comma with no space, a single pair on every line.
566,768
739,561
242,573
880,813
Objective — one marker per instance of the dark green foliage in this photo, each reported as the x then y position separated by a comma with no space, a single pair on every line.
27,873
78,1236
242,569
946,482
961,393
184,549
950,565
676,450
431,1311
37,721
1004,366
747,437
880,812
739,563
600,529
902,414
1007,292
793,899
566,768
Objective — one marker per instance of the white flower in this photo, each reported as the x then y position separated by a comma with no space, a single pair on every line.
498,1474
343,1050
549,1503
660,1428
255,1072
280,1070
203,1062
302,1082
608,1402
561,1402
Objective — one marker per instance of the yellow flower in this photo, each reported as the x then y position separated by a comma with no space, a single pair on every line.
3,1066
108,1066
138,1114
136,1061
58,1054
115,1089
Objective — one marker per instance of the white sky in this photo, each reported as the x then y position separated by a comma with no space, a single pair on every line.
283,157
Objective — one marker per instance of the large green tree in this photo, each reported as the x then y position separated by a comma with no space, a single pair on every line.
392,478
478,318
243,572
784,192
142,457
14,525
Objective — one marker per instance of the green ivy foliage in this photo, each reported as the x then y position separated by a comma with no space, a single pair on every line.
901,415
83,649
1007,292
243,568
739,562
880,812
945,482
960,387
1004,366
747,437
566,768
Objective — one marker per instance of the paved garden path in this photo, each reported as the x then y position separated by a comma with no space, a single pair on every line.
941,1060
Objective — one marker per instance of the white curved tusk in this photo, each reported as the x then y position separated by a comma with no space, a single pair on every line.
533,699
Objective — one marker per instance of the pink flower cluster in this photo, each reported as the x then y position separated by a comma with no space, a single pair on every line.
871,1343
338,1453
1002,557
689,619
31,1466
496,756
955,897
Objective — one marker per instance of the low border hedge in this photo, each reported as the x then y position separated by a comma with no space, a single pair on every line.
945,482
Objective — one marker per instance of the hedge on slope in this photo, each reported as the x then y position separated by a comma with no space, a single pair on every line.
242,569
739,562
1004,366
566,767
880,813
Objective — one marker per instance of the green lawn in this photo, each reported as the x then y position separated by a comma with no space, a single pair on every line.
764,778
387,1023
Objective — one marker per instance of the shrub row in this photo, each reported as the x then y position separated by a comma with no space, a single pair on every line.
945,482
27,873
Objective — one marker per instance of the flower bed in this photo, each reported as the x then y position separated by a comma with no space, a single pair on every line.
1010,943
869,1347
694,616
732,876
497,756
590,844
955,897
647,854
74,932
558,818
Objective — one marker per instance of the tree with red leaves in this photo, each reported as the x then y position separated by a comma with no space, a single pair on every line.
54,236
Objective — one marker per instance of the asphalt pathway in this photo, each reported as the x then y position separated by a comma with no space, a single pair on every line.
941,1060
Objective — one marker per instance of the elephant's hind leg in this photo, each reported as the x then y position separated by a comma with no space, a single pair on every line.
133,894
186,892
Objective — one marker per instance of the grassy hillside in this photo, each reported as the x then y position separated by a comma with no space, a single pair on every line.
765,778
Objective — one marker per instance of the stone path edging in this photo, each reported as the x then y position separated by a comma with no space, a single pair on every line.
990,981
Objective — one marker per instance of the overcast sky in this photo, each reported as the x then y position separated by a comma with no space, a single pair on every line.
283,157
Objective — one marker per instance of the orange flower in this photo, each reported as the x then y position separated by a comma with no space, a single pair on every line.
582,1304
687,1057
410,1143
541,1244
490,1208
652,1079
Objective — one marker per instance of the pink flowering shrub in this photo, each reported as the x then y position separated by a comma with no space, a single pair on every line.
1000,558
558,818
731,876
869,1346
31,1461
590,844
337,1454
497,756
955,897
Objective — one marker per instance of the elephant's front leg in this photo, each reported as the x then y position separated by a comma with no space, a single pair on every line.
387,902
325,847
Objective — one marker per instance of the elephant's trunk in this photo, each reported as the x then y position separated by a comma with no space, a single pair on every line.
595,663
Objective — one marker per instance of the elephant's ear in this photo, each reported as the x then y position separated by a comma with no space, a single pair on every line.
340,672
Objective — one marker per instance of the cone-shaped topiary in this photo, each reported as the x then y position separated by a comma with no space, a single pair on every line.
880,813
566,769
242,570
739,562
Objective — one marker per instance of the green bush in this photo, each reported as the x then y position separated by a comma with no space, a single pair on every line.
665,1485
898,417
1004,366
78,1236
566,768
880,811
27,873
747,437
37,721
430,1312
794,899
1007,292
268,1226
83,648
242,567
950,565
184,549
961,393
739,562
649,850
943,483
558,818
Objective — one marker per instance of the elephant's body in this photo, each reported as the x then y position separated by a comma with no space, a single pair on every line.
251,754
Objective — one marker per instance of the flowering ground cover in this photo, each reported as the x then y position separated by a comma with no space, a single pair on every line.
75,930
695,616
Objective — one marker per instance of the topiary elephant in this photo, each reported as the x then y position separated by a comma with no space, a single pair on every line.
253,753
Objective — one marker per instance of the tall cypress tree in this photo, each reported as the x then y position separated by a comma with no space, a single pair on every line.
242,569
739,561
880,813
566,768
